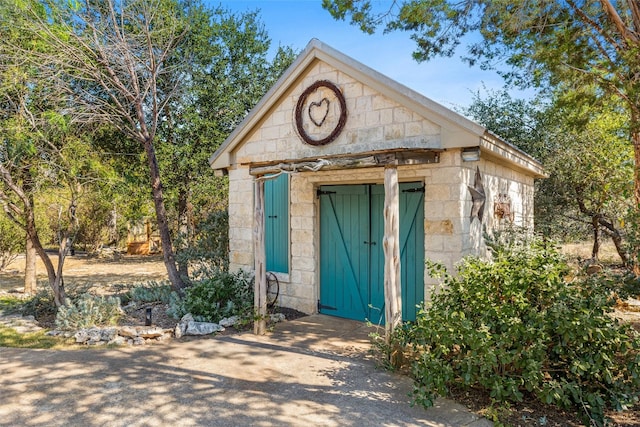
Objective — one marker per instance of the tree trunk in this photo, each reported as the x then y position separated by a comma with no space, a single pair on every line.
161,216
616,237
30,278
391,247
260,286
113,226
59,294
595,250
635,139
184,228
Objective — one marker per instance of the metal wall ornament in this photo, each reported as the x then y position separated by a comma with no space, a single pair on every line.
502,207
478,197
317,112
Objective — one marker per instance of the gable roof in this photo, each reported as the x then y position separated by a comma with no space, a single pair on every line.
457,130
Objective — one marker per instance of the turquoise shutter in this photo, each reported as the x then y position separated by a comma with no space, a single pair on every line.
276,210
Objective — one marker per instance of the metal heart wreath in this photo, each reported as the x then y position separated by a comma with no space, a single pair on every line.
318,111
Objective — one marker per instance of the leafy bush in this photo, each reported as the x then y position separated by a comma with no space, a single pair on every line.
512,326
41,304
222,295
208,249
150,292
87,311
10,304
11,242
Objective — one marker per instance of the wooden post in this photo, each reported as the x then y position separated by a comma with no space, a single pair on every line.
391,246
260,288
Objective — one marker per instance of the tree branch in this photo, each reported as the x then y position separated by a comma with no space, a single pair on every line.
623,30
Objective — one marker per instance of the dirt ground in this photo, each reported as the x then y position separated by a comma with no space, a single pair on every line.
112,275
80,270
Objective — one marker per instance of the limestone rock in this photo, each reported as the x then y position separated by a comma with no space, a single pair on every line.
202,328
229,321
81,336
150,332
108,334
128,331
166,336
278,317
87,336
180,330
118,340
139,341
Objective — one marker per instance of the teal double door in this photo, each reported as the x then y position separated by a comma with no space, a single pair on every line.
352,256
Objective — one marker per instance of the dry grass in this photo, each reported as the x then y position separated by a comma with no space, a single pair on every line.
582,251
81,270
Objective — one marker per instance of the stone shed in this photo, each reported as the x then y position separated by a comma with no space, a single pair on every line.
342,182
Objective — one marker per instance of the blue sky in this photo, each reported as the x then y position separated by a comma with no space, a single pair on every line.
448,81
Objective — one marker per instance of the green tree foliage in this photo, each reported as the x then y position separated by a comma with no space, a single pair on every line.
42,149
527,124
120,64
589,162
230,73
172,78
515,325
591,173
575,43
11,241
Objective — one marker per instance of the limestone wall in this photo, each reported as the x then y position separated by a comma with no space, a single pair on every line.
449,233
374,122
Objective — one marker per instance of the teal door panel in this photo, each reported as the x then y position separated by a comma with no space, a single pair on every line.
342,262
376,256
352,256
412,247
276,223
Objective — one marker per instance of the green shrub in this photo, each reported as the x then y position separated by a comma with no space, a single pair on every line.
11,241
87,311
222,295
513,325
208,250
150,292
41,304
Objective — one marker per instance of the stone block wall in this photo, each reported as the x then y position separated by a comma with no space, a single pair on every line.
449,233
374,122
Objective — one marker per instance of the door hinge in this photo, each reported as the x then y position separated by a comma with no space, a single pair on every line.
324,307
414,190
323,193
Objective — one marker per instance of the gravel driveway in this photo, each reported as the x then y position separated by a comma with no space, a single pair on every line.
311,371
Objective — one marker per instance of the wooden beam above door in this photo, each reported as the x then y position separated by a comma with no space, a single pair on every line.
362,160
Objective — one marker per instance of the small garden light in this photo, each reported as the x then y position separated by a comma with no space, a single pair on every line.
147,317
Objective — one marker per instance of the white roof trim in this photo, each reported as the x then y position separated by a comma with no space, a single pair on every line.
451,122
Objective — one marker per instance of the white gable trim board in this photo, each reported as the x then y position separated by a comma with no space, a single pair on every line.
365,156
